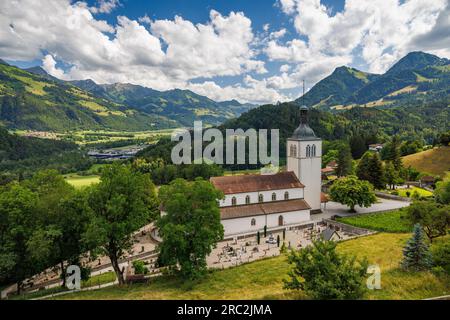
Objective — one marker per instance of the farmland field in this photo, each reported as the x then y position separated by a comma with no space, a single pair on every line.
387,221
434,161
81,181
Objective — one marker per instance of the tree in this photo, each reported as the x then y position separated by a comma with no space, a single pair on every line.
442,192
357,145
444,138
265,231
363,168
376,172
258,237
191,226
391,175
344,160
416,253
391,151
64,219
351,191
370,168
323,273
18,223
122,202
434,218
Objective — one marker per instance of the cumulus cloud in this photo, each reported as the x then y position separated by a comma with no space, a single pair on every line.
251,90
177,53
162,54
49,65
105,6
381,30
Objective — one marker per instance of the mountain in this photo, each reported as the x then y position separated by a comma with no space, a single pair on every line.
183,106
41,72
337,88
32,101
417,78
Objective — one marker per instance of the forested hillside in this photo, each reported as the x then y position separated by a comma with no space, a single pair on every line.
22,156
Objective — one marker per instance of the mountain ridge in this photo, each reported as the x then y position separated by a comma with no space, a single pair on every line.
418,77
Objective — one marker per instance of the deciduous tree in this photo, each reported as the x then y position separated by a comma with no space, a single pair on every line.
191,226
122,202
351,191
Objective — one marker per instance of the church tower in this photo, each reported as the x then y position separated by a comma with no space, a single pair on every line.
304,158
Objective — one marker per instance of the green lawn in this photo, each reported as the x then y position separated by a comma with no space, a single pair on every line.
386,221
420,191
81,181
263,279
103,278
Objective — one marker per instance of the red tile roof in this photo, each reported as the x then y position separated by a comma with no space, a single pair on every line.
263,208
324,197
327,170
256,182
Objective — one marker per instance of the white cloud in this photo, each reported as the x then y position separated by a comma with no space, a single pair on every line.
251,90
285,68
145,19
382,30
49,65
105,6
277,34
168,54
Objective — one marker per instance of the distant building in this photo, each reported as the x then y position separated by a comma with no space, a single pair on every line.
427,181
375,147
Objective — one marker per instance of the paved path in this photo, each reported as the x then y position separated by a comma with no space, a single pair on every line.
334,208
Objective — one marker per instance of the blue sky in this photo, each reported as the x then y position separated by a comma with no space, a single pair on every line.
253,51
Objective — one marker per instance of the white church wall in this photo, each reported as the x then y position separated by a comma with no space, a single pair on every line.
294,193
289,218
243,225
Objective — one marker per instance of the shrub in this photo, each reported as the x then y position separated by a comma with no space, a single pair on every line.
441,256
323,273
139,267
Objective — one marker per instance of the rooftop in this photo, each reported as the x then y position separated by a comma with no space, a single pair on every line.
256,182
263,208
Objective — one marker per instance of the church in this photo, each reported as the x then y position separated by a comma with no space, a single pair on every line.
281,200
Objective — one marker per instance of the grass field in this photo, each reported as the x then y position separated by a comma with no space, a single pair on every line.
81,181
263,279
387,221
435,161
103,278
420,191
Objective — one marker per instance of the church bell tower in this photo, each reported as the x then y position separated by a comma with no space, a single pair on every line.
304,158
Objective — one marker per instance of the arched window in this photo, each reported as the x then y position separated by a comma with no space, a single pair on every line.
308,151
274,196
253,222
293,150
286,195
313,150
247,200
280,220
233,201
260,198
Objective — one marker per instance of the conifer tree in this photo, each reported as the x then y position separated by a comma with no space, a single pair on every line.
416,253
376,172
